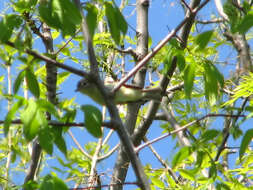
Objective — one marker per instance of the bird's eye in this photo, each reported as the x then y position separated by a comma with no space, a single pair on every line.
83,83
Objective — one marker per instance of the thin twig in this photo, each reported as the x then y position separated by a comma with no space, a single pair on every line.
103,186
186,5
218,20
162,161
79,146
59,124
52,61
109,153
129,50
183,128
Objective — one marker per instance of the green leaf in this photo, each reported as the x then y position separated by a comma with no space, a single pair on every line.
70,11
59,140
46,139
167,61
52,182
247,138
200,156
93,120
213,171
181,155
222,186
48,107
213,80
30,121
112,20
10,115
246,23
91,18
189,75
209,135
59,184
47,15
61,145
187,174
24,5
121,22
32,83
7,26
18,81
60,14
203,39
180,62
157,182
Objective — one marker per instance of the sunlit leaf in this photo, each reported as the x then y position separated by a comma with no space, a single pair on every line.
32,83
18,81
181,155
213,82
11,114
189,75
60,14
91,17
203,39
59,140
47,106
157,182
186,174
112,20
93,120
247,138
209,135
7,25
52,182
46,139
30,121
180,61
122,24
246,23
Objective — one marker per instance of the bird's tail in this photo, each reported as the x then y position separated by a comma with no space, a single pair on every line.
152,94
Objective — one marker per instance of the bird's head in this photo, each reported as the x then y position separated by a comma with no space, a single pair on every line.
82,85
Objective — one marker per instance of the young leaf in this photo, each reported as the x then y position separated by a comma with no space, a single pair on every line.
209,135
46,139
10,115
247,138
47,106
187,174
189,75
213,80
246,23
157,182
32,83
203,39
93,120
18,81
30,121
91,17
112,20
182,154
180,61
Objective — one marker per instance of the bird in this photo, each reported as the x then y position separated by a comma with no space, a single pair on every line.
125,94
